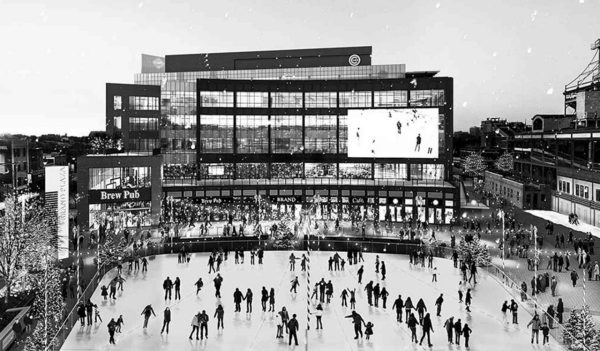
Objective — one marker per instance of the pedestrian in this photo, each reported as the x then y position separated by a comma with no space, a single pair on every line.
535,328
168,287
218,281
427,329
384,295
295,284
466,331
398,305
574,277
551,314
449,325
468,298
408,306
293,327
166,320
219,313
285,317
177,285
120,323
514,309
369,330
203,319
199,284
457,331
81,313
237,299
438,304
319,314
147,312
358,322
412,323
111,331
248,298
195,325
360,272
383,270
559,310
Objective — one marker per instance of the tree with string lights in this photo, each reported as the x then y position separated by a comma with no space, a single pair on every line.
580,333
474,250
113,248
505,162
474,165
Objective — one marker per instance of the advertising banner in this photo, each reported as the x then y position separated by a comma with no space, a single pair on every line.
57,199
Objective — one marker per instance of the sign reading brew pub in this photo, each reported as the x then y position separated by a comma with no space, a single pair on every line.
120,195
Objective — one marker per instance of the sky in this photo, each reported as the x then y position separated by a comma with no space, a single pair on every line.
509,58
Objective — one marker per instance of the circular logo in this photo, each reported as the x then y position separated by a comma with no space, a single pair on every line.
354,60
158,63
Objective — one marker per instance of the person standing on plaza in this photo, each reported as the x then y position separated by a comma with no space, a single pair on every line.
144,265
219,313
369,290
466,332
358,322
166,320
574,277
272,300
203,320
248,297
360,272
147,312
535,328
264,298
199,284
293,327
195,326
449,325
421,309
218,281
111,331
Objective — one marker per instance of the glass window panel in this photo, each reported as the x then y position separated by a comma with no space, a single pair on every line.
143,123
252,99
390,171
286,170
216,134
320,134
355,99
252,170
216,98
117,102
427,98
391,98
286,100
252,134
355,171
286,134
320,99
215,170
320,170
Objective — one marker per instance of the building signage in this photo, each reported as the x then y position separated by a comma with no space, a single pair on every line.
57,200
357,200
286,199
120,195
354,60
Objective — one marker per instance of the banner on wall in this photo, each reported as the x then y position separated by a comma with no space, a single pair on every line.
57,200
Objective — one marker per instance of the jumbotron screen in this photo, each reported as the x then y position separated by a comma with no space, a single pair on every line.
393,133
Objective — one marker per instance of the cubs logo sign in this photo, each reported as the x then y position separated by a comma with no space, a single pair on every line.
354,60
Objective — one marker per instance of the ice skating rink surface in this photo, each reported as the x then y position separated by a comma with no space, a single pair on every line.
257,331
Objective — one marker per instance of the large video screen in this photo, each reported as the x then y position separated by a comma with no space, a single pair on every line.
393,133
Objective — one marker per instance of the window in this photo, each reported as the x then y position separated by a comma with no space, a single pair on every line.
321,134
252,170
215,170
252,99
320,170
143,124
117,102
143,103
286,134
117,123
427,172
119,178
390,171
141,144
427,98
253,134
355,171
343,120
320,99
518,196
391,98
286,170
598,195
179,122
355,99
216,134
286,100
216,98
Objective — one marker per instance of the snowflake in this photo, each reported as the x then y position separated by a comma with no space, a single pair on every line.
529,50
550,91
533,15
464,104
437,6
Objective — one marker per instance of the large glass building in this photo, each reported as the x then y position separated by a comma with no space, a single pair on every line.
285,126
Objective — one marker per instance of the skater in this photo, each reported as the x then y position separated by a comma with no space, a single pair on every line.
449,325
427,329
398,305
418,144
535,328
460,292
466,331
369,290
111,331
344,298
376,294
421,309
295,284
168,287
559,310
199,284
408,306
195,326
574,277
293,327
144,265
514,308
545,334
384,295
97,315
264,298
177,288
104,292
89,311
219,312
292,264
376,264
166,320
360,272
329,291
237,299
147,312
203,319
81,313
468,300
319,314
248,299
211,263
352,298
113,289
272,300
218,281
457,331
438,304
358,322
285,317
369,330
383,270
120,323
412,325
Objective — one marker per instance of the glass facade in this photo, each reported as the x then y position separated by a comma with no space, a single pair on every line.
427,98
391,98
355,171
286,134
320,170
286,100
178,125
320,99
119,178
287,170
143,123
356,99
216,98
216,134
252,134
321,134
143,103
252,170
390,171
252,99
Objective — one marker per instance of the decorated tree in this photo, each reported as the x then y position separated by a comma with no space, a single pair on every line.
505,162
105,144
284,237
474,165
113,248
580,333
25,230
474,250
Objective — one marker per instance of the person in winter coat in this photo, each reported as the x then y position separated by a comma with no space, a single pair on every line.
457,331
466,331
427,329
408,306
199,284
550,312
438,304
237,299
559,310
535,328
358,322
264,298
421,309
293,327
574,277
166,320
147,312
468,298
369,329
111,330
398,305
318,312
285,317
449,325
203,319
195,326
272,300
383,270
412,323
514,309
384,295
81,313
168,287
248,298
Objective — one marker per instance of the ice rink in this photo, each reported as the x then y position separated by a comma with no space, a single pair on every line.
257,331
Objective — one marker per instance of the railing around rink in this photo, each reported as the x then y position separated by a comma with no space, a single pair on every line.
343,244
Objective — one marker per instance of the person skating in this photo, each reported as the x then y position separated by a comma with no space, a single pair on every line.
421,309
303,263
120,280
147,312
383,270
97,314
218,281
113,289
319,314
168,287
203,320
237,299
195,326
468,299
352,298
295,284
427,329
120,323
285,317
293,327
457,331
449,325
418,144
369,290
104,292
438,303
292,262
166,320
574,277
398,305
376,264
322,287
545,334
329,291
81,313
408,306
535,328
466,331
559,310
264,298
369,330
144,265
412,323
514,310
111,331
344,298
358,322
89,311
248,297
177,285
384,295
360,272
199,284
272,300
219,313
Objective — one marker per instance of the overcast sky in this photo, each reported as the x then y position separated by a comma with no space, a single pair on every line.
509,58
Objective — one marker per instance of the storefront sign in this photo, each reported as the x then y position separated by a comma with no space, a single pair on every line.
357,200
120,195
211,200
286,199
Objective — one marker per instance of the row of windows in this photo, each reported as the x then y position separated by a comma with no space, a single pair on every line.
564,186
143,103
386,98
397,171
582,191
143,145
143,123
119,177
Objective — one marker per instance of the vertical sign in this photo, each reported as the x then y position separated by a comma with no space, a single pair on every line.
57,200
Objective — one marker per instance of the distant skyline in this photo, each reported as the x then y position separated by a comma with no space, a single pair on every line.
509,59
